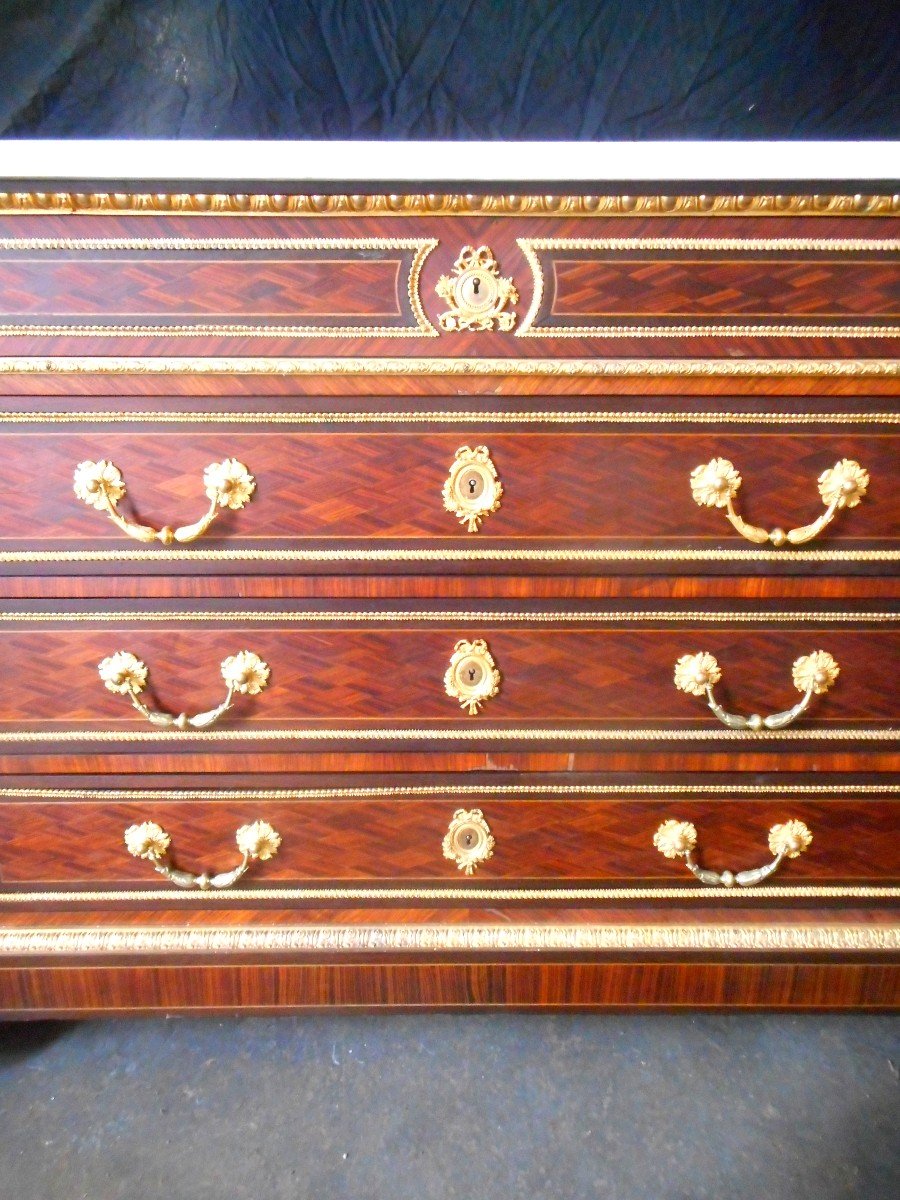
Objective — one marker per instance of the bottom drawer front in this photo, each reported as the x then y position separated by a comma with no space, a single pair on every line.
441,838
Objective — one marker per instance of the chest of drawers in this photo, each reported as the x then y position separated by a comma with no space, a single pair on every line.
448,600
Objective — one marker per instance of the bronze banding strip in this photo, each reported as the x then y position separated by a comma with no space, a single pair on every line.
447,204
412,287
471,789
448,417
462,733
478,367
466,895
449,616
388,331
230,330
450,938
695,331
184,244
450,555
839,245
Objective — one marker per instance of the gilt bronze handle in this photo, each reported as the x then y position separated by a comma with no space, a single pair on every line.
813,675
678,839
100,485
151,842
716,483
245,674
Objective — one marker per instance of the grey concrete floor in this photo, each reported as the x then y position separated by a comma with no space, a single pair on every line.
669,1107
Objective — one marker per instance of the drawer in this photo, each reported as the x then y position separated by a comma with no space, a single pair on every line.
572,487
623,834
457,283
438,674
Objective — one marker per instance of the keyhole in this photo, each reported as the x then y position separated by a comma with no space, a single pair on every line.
471,674
468,839
472,486
476,285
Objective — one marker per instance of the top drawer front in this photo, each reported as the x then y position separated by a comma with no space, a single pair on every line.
518,283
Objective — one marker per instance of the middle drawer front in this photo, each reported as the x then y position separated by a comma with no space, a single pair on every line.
627,482
508,830
367,668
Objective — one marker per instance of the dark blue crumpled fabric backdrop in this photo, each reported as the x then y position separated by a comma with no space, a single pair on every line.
459,69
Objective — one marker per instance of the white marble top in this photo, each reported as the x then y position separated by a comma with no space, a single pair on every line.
446,162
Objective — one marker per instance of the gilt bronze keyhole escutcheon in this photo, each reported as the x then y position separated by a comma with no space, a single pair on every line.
476,294
473,489
472,676
468,840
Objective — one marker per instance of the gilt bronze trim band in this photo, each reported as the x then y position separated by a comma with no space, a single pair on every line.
449,616
468,895
389,939
564,368
449,417
461,733
483,554
470,789
273,204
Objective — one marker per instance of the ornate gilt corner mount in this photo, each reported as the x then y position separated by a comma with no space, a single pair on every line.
468,841
472,676
473,489
476,293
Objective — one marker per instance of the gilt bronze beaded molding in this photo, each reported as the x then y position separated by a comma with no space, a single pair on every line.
467,894
450,616
447,204
458,790
165,554
449,417
461,733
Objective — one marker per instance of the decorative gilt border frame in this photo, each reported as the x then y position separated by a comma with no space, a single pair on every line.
421,248
531,245
388,939
275,204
